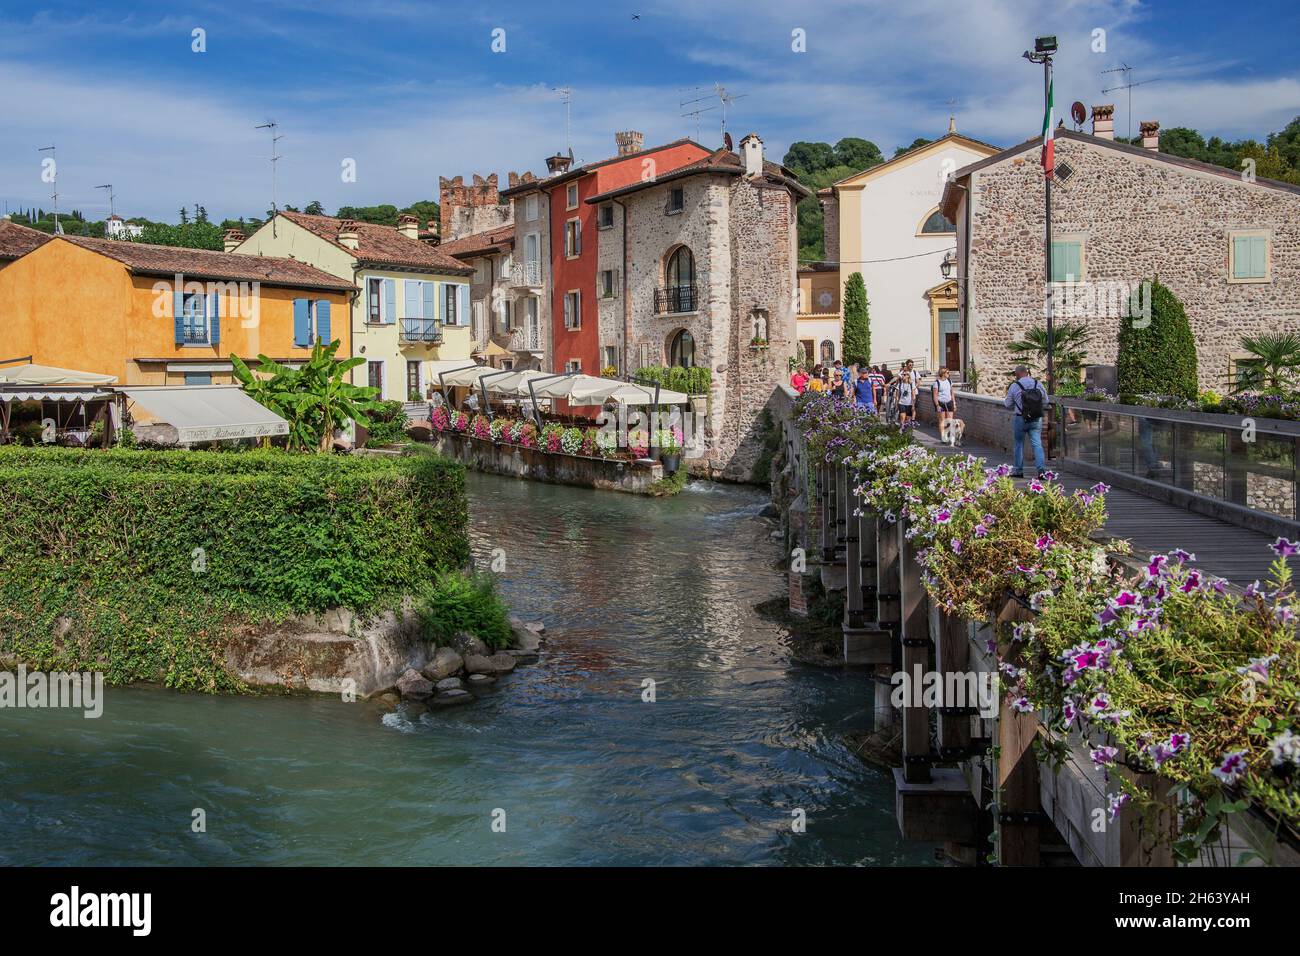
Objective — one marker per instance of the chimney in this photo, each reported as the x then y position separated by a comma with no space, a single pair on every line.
559,163
231,240
1150,135
431,236
1103,121
409,226
349,238
629,142
751,151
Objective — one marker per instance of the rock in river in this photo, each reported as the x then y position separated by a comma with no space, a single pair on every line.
498,663
468,644
446,662
411,685
448,683
451,698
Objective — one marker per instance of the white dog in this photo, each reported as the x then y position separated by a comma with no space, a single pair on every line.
952,432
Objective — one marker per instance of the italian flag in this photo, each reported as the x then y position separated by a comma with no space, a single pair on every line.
1049,131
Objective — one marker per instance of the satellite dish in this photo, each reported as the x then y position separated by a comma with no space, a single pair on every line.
726,141
1078,113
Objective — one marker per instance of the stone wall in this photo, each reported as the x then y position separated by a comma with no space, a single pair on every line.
466,210
1139,217
831,225
609,474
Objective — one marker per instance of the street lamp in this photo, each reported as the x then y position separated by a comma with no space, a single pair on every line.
946,267
1044,47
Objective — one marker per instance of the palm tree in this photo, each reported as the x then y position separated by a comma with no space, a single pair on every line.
1272,366
1069,348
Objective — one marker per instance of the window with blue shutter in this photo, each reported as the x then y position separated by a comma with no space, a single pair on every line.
390,301
413,303
178,314
428,289
1067,261
1249,257
323,321
214,319
302,323
464,305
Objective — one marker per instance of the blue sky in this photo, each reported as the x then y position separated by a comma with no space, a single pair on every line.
412,91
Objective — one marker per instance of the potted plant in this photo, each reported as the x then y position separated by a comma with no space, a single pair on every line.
670,449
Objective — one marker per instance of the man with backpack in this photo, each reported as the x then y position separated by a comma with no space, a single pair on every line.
1029,400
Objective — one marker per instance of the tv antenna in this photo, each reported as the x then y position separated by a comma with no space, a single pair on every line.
1127,85
566,97
55,180
682,104
726,99
276,136
109,187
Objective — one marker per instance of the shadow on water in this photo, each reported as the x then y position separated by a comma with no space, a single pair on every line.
632,590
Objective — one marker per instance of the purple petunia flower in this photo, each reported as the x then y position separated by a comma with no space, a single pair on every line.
1253,590
1068,712
1125,599
981,531
1037,487
1100,488
956,545
1116,803
1044,542
943,516
1048,476
1284,548
1104,756
1107,616
1232,767
1098,704
1022,705
1179,742
1191,583
1182,556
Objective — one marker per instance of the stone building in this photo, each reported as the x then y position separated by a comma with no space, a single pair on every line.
1225,243
697,267
466,210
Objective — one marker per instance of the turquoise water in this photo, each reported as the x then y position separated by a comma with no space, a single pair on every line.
585,771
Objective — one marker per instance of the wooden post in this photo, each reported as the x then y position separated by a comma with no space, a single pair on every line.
852,558
1016,775
952,656
914,635
826,524
843,497
867,531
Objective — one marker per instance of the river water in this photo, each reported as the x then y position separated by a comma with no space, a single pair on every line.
567,753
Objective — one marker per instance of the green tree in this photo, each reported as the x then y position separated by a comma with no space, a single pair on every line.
1272,365
857,153
191,235
916,144
314,399
314,208
1157,357
424,210
809,157
856,338
385,215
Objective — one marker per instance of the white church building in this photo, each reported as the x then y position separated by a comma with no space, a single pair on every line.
887,225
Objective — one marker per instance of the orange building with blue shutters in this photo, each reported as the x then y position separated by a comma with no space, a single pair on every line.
163,315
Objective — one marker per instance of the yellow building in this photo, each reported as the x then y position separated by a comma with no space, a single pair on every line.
163,315
411,317
819,324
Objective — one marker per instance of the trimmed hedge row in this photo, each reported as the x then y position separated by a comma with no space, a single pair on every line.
310,532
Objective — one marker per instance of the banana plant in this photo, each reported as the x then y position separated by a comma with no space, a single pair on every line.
314,398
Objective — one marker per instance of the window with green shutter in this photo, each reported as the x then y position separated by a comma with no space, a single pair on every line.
1067,261
1250,257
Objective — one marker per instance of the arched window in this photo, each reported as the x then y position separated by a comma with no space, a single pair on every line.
679,282
681,349
936,225
828,351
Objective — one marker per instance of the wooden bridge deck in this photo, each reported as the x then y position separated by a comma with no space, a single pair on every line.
1151,526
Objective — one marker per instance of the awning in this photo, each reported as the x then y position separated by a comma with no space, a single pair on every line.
591,390
516,383
207,412
53,395
31,374
467,376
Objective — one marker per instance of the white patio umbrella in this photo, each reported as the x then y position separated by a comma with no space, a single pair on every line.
591,390
31,374
515,384
467,376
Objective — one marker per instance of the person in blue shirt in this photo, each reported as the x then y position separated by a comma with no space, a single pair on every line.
1028,423
864,391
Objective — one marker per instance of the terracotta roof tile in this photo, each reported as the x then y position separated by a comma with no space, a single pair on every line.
381,244
481,243
16,240
147,259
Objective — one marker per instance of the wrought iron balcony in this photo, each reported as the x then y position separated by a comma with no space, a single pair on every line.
424,331
676,298
526,274
196,334
525,339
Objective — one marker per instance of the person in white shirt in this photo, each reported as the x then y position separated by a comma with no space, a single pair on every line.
945,400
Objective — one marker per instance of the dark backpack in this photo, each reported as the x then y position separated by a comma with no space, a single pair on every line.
1032,402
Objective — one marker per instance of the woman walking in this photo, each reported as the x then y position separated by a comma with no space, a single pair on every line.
945,401
906,399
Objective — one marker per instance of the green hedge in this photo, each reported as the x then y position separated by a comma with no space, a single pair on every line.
1158,358
98,561
693,381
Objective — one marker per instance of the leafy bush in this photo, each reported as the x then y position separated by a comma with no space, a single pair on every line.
461,602
154,558
1159,358
695,380
387,424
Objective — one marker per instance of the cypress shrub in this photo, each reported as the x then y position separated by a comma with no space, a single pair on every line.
856,339
1160,358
